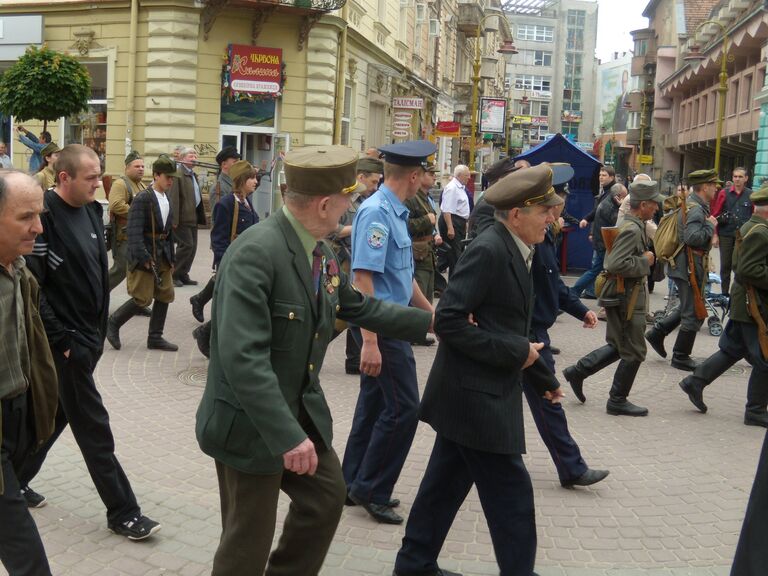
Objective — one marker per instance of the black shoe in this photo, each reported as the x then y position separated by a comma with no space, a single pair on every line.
34,500
187,281
197,308
588,296
683,362
178,283
137,528
113,334
624,408
576,381
146,311
587,479
440,572
161,344
555,350
428,341
752,419
695,393
379,512
202,336
353,370
655,338
393,502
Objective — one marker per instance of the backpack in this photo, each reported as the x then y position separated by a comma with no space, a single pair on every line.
666,241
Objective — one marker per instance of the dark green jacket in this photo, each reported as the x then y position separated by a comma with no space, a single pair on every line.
268,341
750,263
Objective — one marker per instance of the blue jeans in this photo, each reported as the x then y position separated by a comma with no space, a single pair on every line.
587,280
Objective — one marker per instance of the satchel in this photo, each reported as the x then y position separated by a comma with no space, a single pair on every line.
422,250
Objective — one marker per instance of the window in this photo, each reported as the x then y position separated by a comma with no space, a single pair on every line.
641,47
734,93
703,110
90,126
543,108
535,32
576,18
570,129
695,112
536,58
747,93
533,82
382,9
346,116
575,39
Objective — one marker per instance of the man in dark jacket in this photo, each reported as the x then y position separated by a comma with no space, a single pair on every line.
188,212
70,263
150,259
28,391
732,207
473,395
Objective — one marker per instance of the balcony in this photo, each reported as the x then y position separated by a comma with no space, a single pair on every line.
463,91
642,64
470,16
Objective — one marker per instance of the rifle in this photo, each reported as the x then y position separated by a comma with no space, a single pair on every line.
609,234
698,300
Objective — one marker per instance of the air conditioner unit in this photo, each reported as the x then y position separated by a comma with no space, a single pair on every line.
434,27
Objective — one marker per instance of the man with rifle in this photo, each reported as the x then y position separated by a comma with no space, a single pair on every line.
696,227
623,294
745,334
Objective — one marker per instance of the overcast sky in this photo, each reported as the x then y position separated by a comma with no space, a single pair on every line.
616,18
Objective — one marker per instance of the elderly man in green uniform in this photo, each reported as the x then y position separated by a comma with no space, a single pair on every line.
150,259
623,296
696,236
422,219
263,416
123,190
369,172
746,325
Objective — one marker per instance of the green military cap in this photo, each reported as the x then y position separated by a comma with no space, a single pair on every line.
760,197
50,148
431,167
529,187
239,168
703,177
322,171
132,156
641,190
164,165
370,165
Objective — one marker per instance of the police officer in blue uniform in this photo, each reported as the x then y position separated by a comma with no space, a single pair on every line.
386,414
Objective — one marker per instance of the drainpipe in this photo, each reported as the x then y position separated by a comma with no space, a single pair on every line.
130,104
341,67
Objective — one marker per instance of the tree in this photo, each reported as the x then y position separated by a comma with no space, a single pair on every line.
44,85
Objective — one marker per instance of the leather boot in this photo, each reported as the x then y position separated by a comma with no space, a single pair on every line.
623,379
202,298
661,329
756,413
119,317
155,341
202,335
590,364
704,374
681,353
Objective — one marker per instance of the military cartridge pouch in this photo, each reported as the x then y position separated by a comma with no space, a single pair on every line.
422,250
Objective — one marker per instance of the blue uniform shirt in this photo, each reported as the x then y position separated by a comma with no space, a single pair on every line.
381,244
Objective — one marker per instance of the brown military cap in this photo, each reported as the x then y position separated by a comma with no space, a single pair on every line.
704,177
371,165
529,187
50,148
322,171
239,168
134,155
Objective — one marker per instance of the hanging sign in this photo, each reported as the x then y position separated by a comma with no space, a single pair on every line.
255,69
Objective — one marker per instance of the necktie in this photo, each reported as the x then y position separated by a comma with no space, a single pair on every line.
317,266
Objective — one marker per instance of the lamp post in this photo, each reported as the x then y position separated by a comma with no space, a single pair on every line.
505,48
695,55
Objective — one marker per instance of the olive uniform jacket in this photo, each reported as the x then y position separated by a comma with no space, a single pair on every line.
750,262
473,395
270,331
697,233
43,382
141,249
121,195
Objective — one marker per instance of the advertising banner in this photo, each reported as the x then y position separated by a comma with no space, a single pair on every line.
448,129
493,115
255,69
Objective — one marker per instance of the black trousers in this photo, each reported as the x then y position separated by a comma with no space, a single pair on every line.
81,407
186,248
727,245
21,550
457,244
506,495
751,553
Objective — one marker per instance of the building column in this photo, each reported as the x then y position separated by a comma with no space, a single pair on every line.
172,48
322,61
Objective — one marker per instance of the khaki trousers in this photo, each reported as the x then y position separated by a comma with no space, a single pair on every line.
143,289
249,512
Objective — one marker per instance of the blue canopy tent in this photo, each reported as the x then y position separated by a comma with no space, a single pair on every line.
583,187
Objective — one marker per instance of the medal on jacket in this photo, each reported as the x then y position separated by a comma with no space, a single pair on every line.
332,276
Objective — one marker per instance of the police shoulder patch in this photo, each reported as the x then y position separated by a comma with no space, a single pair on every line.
377,234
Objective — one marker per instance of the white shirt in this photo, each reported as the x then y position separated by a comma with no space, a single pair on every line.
455,199
5,162
165,206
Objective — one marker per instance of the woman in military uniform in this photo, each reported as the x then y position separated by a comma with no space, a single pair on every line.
232,215
46,177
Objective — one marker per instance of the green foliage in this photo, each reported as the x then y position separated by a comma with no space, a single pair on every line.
44,85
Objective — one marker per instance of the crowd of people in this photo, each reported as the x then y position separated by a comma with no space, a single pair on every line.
353,248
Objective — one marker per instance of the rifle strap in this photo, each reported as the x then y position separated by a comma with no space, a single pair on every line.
152,217
235,214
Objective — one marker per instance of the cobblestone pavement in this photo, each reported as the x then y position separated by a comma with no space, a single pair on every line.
673,504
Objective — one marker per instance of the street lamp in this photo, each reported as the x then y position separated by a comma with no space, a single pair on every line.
506,47
694,55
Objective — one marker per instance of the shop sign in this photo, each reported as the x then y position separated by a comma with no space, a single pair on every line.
572,116
400,133
255,69
408,102
522,119
448,129
646,159
401,125
493,114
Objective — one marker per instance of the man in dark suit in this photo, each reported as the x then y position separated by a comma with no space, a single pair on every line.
188,213
263,416
150,259
473,397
